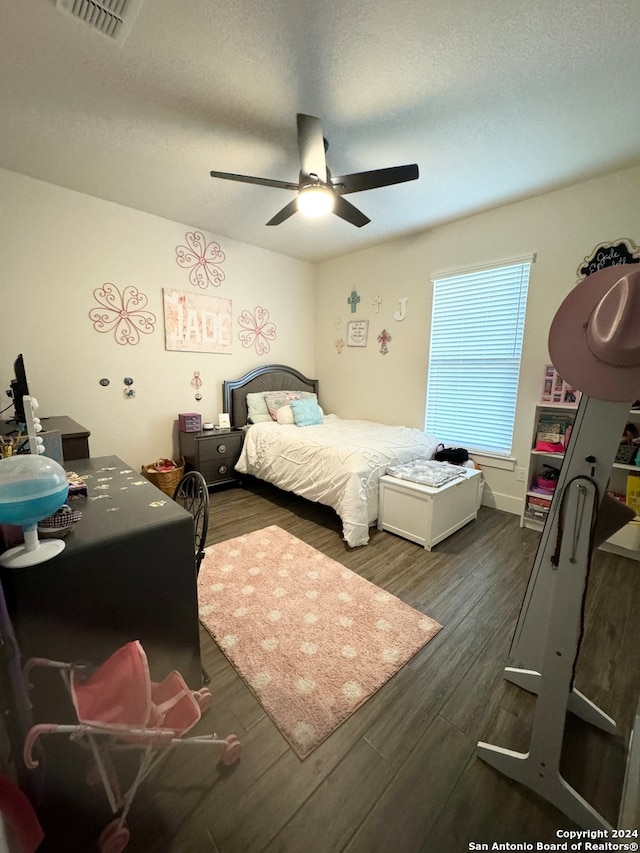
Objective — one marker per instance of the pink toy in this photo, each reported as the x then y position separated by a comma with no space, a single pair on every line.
119,700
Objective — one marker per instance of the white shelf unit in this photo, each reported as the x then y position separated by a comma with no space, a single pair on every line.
538,458
625,542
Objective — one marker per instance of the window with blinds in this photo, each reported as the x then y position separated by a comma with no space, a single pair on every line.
477,326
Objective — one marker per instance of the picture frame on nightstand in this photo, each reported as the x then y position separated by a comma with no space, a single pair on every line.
224,421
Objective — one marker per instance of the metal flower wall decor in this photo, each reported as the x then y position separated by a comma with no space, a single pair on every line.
256,330
202,259
122,313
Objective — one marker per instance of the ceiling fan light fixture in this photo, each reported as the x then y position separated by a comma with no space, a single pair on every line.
315,200
318,193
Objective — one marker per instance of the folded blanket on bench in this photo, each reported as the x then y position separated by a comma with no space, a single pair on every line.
426,472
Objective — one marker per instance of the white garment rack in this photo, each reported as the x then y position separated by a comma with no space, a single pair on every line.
548,633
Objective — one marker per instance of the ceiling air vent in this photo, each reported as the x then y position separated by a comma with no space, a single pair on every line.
110,18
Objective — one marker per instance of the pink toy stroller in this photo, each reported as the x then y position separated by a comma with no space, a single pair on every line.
120,708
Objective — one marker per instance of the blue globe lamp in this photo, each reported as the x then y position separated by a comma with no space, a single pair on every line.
31,488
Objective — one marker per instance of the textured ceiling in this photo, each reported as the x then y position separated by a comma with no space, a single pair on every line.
494,100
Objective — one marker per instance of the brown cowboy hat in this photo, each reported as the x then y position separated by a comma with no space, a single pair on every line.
594,340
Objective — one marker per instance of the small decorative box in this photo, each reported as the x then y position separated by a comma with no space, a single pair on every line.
626,454
190,422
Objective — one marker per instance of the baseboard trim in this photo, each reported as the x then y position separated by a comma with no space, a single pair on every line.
506,503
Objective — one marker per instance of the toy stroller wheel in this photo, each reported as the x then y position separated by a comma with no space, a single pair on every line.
114,838
203,698
231,750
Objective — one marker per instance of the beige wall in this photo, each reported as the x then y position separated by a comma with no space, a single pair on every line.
561,228
57,246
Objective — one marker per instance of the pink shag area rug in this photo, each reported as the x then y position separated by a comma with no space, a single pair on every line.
312,639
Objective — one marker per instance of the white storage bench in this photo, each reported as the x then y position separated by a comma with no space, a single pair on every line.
426,515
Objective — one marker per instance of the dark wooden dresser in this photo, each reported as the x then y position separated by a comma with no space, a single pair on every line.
75,438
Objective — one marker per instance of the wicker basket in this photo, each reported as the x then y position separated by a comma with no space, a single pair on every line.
165,480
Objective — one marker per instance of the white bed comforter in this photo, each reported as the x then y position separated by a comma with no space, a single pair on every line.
337,463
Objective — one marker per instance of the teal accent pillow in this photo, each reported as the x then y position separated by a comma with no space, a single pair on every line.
306,412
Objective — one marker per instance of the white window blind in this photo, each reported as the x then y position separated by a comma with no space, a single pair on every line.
477,325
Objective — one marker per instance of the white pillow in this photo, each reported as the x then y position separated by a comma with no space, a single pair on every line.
257,408
285,415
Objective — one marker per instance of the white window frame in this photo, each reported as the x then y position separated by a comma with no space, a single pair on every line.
475,352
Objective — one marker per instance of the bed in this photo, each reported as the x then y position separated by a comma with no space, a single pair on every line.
336,462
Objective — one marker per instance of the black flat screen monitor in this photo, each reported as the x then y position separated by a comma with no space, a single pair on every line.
19,389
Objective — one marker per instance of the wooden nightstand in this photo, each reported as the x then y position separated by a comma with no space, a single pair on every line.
214,453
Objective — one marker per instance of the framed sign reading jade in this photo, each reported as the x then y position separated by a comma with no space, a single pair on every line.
197,322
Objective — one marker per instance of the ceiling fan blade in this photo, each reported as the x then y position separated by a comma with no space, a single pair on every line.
345,210
287,211
359,181
247,179
313,161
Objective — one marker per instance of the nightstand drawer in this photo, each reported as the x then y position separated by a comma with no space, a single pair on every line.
219,447
219,470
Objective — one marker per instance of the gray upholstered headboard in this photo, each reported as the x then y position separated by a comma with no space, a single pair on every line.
271,377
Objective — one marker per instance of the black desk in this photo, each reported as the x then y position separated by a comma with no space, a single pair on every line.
127,573
75,437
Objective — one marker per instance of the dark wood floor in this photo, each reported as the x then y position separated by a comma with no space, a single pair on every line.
401,774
